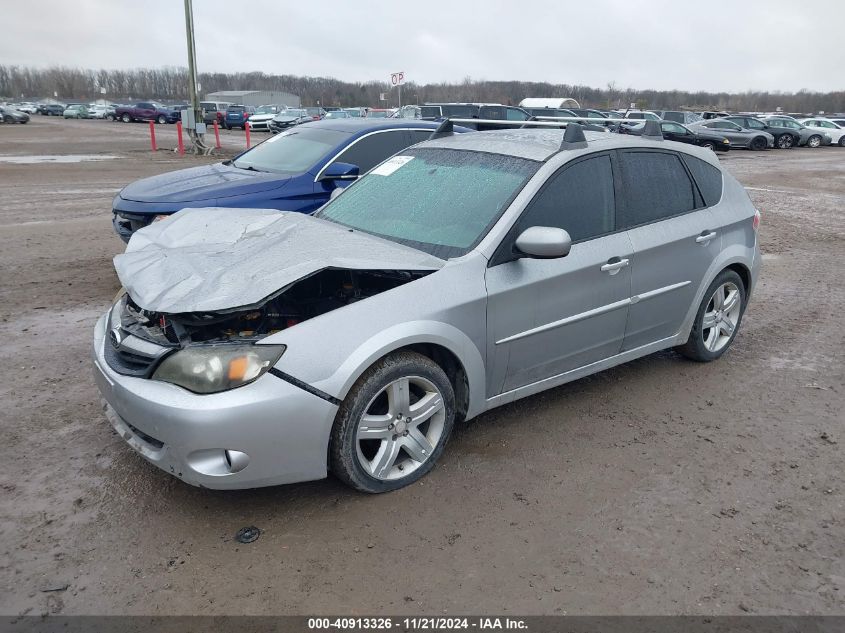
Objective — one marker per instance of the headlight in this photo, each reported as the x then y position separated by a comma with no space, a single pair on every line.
213,368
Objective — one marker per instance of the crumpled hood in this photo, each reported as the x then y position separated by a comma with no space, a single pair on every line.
212,259
207,182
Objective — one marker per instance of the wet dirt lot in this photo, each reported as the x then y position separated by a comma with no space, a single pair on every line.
658,487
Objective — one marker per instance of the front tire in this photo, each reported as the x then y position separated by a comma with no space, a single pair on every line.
758,143
126,118
709,145
161,120
718,318
814,141
785,141
393,425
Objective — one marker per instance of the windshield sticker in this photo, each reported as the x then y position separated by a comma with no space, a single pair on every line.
391,165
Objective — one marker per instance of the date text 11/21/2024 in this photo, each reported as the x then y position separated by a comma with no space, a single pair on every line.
419,623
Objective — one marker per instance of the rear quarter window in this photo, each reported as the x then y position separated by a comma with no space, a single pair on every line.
655,186
708,179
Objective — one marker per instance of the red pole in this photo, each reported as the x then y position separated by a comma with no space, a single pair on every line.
246,129
179,136
153,135
217,132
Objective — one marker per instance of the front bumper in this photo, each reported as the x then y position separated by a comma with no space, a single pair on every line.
125,224
282,429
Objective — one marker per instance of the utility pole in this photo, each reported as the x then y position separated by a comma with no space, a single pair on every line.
197,139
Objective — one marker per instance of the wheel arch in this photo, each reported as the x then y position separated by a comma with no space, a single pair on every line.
734,260
443,343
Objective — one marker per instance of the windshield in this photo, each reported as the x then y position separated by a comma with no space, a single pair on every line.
337,115
292,152
293,113
441,201
266,110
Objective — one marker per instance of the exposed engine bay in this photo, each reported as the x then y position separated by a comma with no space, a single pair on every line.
322,292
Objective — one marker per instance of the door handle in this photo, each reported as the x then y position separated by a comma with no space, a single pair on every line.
614,267
705,237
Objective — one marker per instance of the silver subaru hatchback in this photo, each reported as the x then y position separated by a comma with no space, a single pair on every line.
254,347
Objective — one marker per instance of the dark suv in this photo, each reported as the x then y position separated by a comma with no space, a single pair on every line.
498,112
785,138
237,116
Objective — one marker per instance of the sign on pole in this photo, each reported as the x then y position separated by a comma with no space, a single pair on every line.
397,79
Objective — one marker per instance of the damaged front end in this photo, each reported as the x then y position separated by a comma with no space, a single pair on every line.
208,352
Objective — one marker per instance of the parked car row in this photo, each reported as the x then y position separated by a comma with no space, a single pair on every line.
253,348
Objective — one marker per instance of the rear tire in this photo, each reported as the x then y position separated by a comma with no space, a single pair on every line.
396,418
842,141
718,318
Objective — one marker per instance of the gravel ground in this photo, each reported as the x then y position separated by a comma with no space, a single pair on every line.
658,487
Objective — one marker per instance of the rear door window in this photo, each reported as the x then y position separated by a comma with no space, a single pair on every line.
579,199
370,150
655,186
418,136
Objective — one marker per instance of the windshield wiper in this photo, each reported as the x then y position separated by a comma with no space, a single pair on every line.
248,167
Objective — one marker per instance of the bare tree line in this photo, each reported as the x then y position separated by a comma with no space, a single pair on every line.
170,84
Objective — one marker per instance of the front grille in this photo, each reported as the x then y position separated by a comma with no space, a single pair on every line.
126,353
129,364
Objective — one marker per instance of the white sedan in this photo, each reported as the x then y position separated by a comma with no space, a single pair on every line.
836,132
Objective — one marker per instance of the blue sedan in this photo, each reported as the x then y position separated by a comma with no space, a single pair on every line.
296,170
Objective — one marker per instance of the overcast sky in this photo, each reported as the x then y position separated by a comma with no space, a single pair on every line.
712,45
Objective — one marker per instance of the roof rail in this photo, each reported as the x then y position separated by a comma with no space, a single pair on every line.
653,130
446,128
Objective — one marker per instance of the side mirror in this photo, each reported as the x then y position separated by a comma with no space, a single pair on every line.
544,242
340,171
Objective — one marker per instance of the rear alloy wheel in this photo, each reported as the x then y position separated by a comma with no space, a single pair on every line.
785,141
814,141
126,118
758,143
393,425
161,120
718,318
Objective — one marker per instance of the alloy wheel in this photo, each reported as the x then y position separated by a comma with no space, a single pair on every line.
721,316
814,141
401,427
